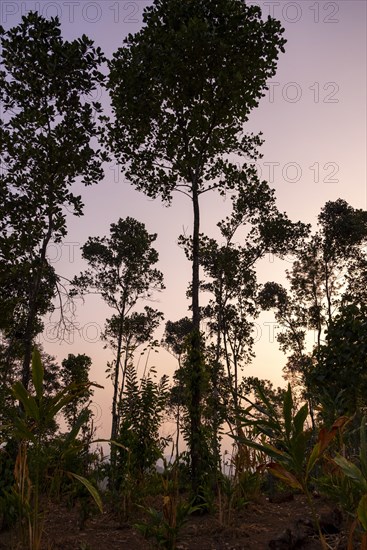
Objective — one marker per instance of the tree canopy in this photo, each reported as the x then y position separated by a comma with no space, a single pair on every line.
45,137
181,90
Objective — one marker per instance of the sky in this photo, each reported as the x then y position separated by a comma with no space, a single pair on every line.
313,119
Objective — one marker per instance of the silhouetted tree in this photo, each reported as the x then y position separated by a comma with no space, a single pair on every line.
45,145
120,270
181,90
325,280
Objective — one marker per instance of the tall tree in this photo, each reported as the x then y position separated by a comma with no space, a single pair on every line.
254,227
325,277
181,90
120,270
45,138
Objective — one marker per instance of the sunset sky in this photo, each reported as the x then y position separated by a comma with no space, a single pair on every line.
313,119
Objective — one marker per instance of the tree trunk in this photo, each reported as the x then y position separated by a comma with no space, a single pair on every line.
195,261
28,341
115,415
215,381
195,360
32,311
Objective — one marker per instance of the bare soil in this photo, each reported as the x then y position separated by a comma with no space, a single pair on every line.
258,526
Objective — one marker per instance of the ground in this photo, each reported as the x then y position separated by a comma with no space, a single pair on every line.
260,525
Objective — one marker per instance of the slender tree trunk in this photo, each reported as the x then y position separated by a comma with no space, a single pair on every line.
196,439
116,387
29,330
124,369
233,379
328,294
195,260
115,414
228,362
177,433
215,381
28,343
235,368
32,311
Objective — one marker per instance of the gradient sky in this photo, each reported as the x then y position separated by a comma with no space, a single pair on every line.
313,118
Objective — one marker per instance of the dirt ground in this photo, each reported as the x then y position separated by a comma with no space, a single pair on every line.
260,525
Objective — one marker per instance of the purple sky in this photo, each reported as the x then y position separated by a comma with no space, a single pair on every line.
314,122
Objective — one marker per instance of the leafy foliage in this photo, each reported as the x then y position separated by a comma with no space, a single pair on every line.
324,299
142,407
121,271
292,458
45,138
175,336
188,66
75,370
339,375
29,428
181,90
348,486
